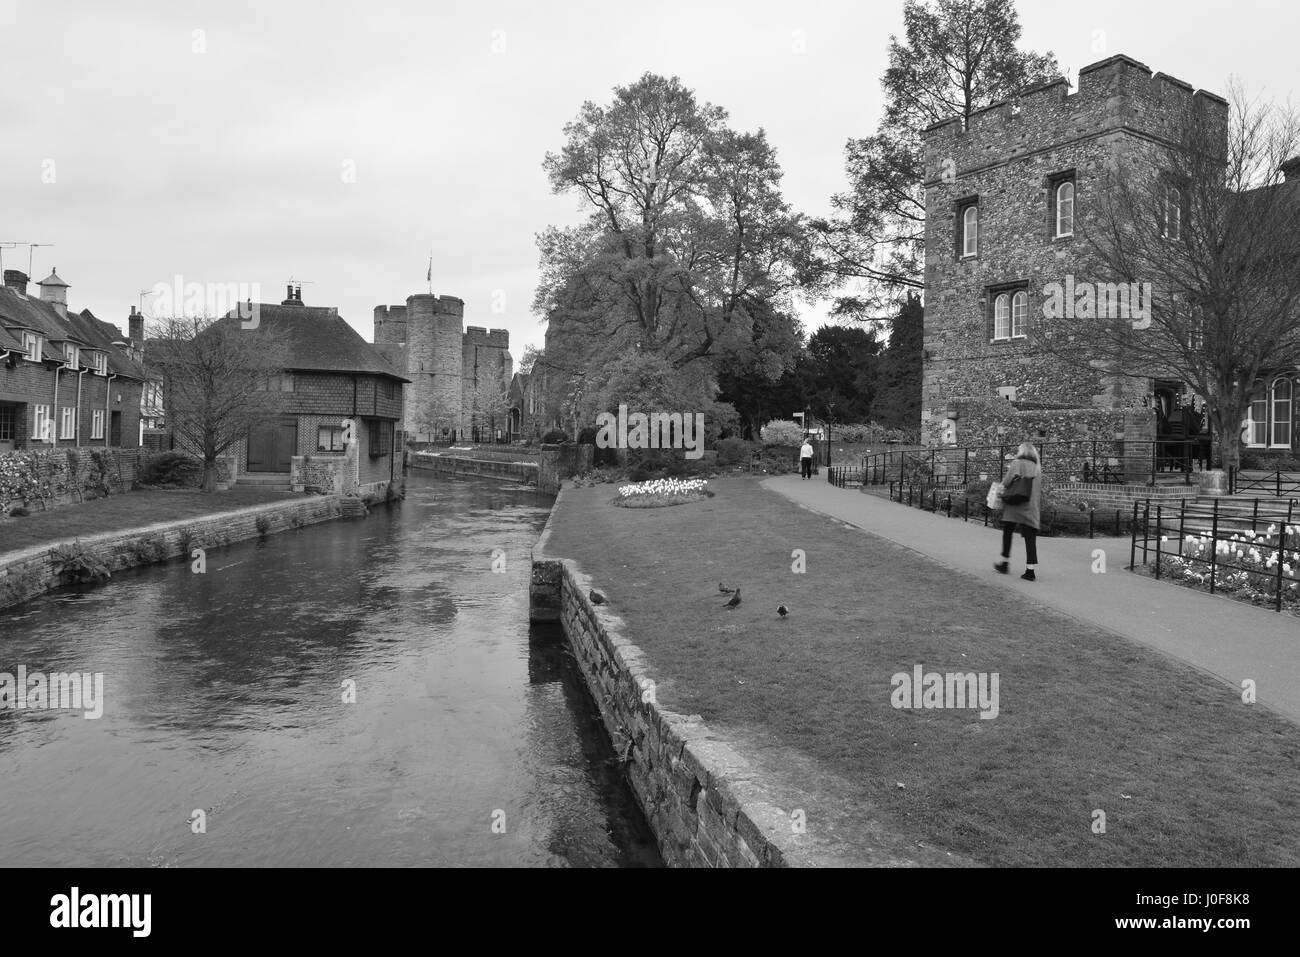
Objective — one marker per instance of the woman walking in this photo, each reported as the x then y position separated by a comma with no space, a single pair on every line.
1021,491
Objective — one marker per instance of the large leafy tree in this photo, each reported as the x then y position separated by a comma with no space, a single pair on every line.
956,57
687,229
841,373
897,402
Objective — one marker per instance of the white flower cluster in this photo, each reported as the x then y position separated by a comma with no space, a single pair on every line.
663,486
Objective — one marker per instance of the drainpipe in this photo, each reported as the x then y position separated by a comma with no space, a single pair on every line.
108,397
76,424
54,411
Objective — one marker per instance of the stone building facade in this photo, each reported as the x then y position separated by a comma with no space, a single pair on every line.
1005,193
458,376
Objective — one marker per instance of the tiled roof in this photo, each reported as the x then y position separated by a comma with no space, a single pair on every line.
319,340
84,329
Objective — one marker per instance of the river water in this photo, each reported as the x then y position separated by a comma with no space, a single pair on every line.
471,741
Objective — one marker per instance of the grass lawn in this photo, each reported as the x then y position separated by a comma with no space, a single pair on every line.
1185,773
121,512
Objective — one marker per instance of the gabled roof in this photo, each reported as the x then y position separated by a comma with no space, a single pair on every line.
317,339
82,329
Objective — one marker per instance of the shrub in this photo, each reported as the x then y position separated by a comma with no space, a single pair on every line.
782,432
734,451
170,470
75,565
555,437
18,512
1258,460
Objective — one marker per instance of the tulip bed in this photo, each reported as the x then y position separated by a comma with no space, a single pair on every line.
659,493
1245,565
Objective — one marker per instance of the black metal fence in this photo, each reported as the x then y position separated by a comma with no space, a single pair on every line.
934,498
1115,461
1277,482
1259,566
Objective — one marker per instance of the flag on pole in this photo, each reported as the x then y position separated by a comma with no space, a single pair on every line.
429,277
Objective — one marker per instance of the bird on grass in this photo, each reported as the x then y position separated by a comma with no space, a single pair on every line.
782,610
596,597
726,590
735,599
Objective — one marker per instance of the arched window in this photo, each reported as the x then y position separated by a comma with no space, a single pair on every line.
1065,209
1002,317
1280,400
1173,224
1019,309
970,229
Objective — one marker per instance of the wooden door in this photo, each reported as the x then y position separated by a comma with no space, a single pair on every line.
271,446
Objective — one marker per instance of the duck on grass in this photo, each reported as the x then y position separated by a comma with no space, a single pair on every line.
659,493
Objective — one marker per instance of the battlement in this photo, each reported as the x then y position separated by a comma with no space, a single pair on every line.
1115,94
426,303
478,336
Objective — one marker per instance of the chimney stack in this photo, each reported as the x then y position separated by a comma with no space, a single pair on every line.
1291,168
16,279
135,328
55,291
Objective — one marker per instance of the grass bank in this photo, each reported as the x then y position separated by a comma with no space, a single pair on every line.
1185,774
120,513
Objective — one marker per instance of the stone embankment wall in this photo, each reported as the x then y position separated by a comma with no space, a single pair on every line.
704,803
501,469
31,572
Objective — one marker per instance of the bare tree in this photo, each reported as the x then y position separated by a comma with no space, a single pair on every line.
1201,240
215,376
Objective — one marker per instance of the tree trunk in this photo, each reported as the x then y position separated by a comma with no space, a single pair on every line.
209,475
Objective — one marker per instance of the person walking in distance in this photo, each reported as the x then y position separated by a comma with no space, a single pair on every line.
1022,488
805,458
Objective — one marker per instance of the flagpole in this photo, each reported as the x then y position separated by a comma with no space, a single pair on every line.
429,276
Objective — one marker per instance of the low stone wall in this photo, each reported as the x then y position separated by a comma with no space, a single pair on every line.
318,472
26,574
1110,497
501,469
704,803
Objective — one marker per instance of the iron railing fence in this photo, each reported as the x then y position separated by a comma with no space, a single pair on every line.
1278,482
1105,461
1259,565
949,500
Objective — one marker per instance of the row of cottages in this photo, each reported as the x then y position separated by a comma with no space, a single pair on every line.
331,376
1005,196
66,378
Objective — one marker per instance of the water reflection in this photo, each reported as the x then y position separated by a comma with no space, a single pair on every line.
225,693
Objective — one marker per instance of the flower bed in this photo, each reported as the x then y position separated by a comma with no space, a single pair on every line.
661,492
1244,566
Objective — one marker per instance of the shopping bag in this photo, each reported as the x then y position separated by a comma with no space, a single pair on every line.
995,495
1018,492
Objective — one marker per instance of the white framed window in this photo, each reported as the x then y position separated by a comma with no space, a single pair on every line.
1065,209
68,423
970,231
1280,426
1002,316
42,424
97,362
72,354
1270,419
1172,227
1019,312
32,346
97,424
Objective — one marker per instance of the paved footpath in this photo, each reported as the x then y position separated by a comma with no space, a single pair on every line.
1225,638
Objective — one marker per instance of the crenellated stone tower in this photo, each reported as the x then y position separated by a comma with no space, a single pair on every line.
1023,166
453,371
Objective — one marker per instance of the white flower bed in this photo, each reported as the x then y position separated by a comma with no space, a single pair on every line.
664,490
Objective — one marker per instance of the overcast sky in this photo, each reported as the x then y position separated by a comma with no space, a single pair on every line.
223,156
